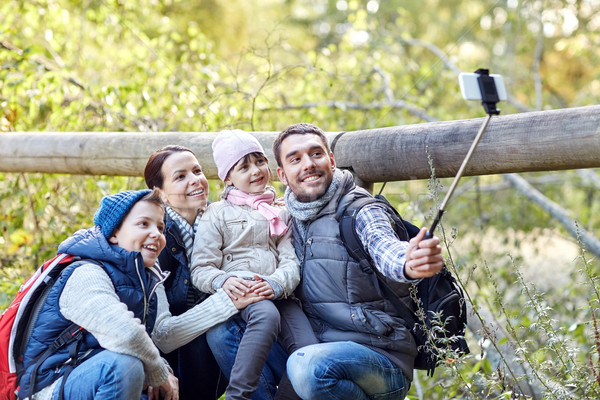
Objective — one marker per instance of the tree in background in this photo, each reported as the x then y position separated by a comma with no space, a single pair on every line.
207,65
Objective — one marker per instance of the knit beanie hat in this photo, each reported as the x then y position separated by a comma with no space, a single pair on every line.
114,208
230,146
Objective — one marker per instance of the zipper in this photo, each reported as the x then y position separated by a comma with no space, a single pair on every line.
160,279
137,269
242,223
309,243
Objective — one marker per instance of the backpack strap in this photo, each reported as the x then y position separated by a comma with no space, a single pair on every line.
348,234
72,335
347,223
404,230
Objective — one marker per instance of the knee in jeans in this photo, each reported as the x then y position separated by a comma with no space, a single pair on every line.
301,374
128,367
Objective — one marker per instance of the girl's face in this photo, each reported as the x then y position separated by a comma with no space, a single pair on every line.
185,188
142,230
250,174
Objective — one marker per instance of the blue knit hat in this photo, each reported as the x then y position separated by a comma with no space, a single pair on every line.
114,208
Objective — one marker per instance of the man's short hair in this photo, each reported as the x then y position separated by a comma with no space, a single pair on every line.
301,128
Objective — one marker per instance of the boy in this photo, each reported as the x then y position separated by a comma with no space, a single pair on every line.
112,296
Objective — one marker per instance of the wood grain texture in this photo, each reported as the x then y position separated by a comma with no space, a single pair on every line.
535,141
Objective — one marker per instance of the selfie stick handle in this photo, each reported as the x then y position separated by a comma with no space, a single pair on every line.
459,174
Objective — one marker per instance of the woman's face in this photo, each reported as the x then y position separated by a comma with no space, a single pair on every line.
185,188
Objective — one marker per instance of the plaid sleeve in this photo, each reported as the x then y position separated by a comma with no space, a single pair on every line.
375,231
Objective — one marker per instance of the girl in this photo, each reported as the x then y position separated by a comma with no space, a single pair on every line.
244,246
176,172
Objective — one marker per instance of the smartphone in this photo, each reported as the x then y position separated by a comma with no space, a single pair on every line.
469,86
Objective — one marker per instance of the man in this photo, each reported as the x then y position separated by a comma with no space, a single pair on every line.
365,351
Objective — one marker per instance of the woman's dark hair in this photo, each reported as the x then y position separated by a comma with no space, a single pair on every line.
153,171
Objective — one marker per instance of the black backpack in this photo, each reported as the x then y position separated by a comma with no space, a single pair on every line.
438,316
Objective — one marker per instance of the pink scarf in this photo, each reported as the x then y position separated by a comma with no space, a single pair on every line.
262,203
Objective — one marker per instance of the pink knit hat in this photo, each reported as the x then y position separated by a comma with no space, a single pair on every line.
230,146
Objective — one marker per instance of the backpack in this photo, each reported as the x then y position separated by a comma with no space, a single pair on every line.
20,317
437,317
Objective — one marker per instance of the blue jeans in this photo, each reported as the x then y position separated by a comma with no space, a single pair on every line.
345,370
105,376
224,340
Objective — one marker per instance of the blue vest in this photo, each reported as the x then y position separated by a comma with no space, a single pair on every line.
133,288
343,301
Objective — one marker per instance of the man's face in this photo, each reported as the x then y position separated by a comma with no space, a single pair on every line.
306,166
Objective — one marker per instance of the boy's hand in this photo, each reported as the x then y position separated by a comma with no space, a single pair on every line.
423,257
236,287
167,391
262,288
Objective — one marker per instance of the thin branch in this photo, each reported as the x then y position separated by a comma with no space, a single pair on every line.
539,49
48,64
589,240
454,68
346,105
435,50
589,176
387,87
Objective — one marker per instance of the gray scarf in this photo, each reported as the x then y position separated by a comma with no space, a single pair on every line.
188,232
304,212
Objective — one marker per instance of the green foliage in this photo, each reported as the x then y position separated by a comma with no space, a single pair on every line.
206,65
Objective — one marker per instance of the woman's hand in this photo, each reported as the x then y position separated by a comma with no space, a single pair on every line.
236,287
244,301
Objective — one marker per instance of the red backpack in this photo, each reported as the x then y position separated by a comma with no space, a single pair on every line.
20,317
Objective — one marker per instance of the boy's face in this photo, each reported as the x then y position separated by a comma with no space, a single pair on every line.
306,166
249,176
142,230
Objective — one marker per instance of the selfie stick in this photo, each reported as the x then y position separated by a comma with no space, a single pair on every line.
489,98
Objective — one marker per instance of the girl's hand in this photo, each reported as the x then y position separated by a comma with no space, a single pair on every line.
262,288
236,287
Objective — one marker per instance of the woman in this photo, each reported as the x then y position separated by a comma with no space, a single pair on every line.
175,171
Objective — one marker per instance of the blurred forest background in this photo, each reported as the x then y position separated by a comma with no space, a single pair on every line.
208,65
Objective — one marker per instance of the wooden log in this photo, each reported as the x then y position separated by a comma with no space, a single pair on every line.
103,153
533,141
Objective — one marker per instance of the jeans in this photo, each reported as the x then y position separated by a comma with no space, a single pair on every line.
224,340
345,370
197,370
105,376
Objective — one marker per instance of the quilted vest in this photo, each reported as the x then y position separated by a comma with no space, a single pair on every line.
343,301
50,323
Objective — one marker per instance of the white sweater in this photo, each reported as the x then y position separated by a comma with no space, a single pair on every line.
102,314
